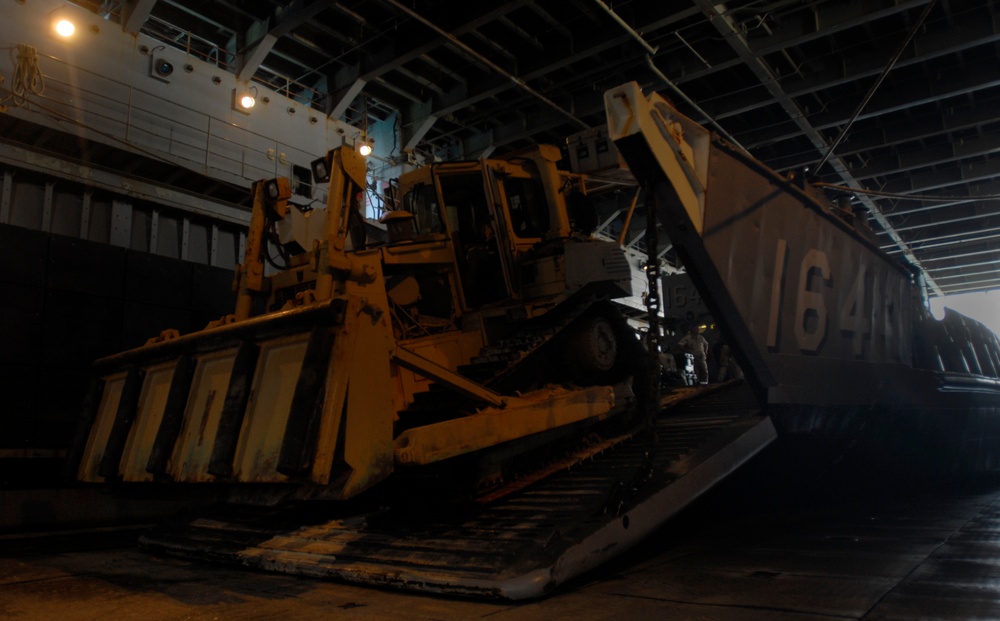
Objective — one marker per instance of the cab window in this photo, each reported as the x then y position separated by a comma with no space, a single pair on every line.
422,203
465,200
529,213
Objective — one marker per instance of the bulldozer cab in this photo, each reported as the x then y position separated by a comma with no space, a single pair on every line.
454,199
495,212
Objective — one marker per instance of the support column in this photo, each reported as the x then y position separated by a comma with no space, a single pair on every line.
50,190
213,246
154,232
121,224
185,239
5,196
85,215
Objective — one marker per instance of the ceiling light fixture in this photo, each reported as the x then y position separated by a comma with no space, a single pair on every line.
63,27
62,23
367,142
244,99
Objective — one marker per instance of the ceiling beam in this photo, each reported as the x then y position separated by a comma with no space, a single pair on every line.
975,285
927,156
453,41
135,13
827,19
285,20
914,128
969,32
415,129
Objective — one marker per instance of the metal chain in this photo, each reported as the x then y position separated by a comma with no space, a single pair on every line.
654,336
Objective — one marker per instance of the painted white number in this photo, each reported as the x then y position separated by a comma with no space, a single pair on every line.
852,315
876,321
809,305
680,296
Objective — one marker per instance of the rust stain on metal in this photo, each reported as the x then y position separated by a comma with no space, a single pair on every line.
204,417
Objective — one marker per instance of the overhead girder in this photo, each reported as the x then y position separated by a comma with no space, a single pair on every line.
972,218
969,221
970,172
963,196
464,99
972,263
928,156
297,12
962,255
963,81
348,83
969,287
479,145
554,23
416,126
995,271
525,35
453,41
221,31
497,49
352,80
830,19
972,32
909,129
135,13
402,96
450,105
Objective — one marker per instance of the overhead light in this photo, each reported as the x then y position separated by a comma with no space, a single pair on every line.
64,27
62,22
244,99
365,146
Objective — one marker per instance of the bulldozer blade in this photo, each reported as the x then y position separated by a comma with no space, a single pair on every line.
238,402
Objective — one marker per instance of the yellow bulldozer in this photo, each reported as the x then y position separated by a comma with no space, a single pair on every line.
481,322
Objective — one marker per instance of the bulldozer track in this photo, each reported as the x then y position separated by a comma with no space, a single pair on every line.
517,547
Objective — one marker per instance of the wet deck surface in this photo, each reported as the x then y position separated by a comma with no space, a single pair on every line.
854,539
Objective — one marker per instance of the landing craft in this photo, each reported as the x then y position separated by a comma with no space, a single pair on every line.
833,333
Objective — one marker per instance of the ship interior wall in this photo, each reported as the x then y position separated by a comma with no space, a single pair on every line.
87,274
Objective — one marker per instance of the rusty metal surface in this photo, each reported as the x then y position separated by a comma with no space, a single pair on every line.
524,415
521,546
